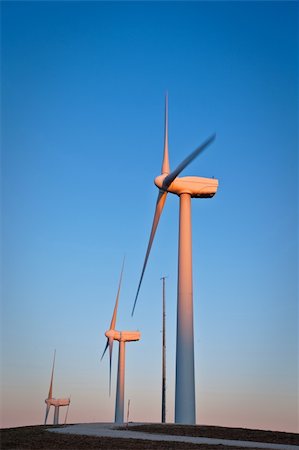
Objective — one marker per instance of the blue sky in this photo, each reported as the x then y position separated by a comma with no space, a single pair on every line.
83,88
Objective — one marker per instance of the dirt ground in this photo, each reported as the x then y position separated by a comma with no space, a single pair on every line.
38,438
241,434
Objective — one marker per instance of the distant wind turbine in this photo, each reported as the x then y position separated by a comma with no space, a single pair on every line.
122,337
186,188
56,402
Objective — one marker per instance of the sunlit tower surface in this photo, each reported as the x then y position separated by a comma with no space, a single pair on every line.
185,188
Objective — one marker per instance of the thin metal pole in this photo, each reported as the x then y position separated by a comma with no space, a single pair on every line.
163,357
128,413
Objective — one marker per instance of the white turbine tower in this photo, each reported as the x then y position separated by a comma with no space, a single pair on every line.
56,402
186,188
122,337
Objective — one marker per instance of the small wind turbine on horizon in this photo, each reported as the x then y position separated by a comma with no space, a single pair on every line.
122,337
186,188
56,402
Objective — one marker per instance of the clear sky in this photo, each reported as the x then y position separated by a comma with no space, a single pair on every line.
83,88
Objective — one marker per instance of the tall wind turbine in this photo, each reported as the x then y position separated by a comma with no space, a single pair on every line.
122,337
186,188
56,402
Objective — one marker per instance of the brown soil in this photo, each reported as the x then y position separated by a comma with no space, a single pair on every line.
241,434
38,438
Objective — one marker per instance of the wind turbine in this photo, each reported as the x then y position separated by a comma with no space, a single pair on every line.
56,402
122,337
186,188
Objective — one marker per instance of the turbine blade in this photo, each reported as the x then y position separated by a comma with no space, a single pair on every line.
107,343
110,341
159,208
113,320
169,179
47,412
67,411
51,382
165,163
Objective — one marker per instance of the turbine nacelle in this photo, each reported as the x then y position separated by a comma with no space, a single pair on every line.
58,401
124,336
198,187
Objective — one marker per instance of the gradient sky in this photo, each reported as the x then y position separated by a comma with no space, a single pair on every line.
83,88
